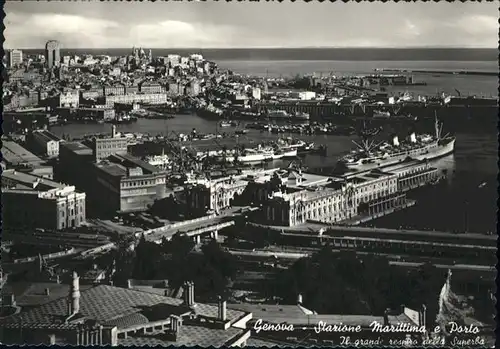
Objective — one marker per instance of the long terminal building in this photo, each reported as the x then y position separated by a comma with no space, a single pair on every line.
290,197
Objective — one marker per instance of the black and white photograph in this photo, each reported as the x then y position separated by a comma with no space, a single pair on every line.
249,173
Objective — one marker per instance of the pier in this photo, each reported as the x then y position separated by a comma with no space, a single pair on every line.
447,72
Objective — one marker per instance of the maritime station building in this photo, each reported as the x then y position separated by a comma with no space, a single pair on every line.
291,198
304,197
205,195
214,195
35,201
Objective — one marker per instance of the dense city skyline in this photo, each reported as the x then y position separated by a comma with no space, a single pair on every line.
239,25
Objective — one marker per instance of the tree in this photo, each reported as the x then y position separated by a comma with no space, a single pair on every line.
337,283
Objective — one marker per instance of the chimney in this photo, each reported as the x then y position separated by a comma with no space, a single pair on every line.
186,292
299,299
47,292
413,138
386,317
395,141
189,293
129,283
175,324
222,313
74,295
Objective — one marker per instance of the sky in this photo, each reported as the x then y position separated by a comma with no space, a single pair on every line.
212,24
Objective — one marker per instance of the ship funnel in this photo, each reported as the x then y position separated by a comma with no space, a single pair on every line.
395,141
413,138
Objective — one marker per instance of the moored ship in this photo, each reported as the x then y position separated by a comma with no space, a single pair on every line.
162,161
259,154
419,147
284,115
225,124
210,112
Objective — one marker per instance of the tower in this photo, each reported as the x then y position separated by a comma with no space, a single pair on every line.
52,53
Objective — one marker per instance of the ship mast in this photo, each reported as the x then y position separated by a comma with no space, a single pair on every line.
367,144
437,126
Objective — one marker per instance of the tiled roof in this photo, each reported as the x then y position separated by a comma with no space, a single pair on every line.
109,304
189,335
270,312
29,294
128,321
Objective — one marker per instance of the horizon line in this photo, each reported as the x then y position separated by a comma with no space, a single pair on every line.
271,48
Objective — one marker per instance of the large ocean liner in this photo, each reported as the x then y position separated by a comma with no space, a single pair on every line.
419,147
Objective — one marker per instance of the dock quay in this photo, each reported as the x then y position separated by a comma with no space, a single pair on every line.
377,244
316,228
332,109
446,72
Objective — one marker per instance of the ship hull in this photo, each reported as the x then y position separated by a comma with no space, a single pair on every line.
251,158
439,151
285,154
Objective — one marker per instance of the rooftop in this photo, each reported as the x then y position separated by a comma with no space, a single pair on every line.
109,304
46,136
118,164
15,154
189,335
30,294
127,308
77,147
13,179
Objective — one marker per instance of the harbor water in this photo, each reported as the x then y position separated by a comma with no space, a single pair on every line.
467,201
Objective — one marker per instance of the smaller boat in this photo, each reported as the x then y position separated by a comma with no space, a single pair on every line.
225,124
301,116
381,114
